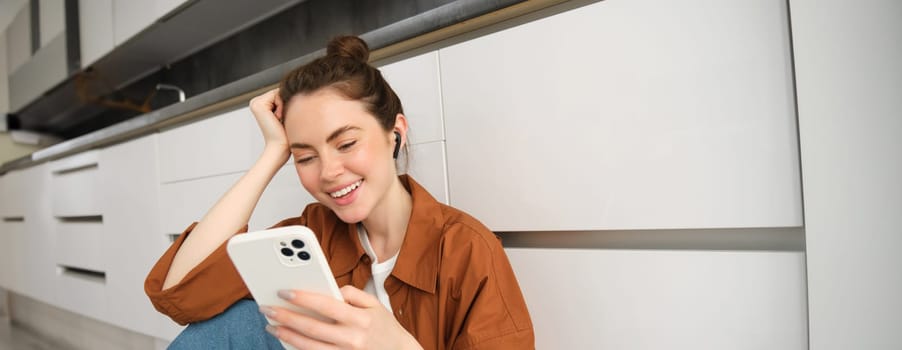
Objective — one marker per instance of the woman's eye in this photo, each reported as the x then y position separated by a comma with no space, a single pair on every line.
304,160
347,145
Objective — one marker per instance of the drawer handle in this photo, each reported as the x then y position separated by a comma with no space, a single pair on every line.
75,169
14,219
84,274
85,218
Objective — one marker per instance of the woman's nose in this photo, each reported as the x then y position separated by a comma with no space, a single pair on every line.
332,167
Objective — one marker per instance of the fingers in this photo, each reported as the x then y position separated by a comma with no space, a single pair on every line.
298,340
303,325
321,304
267,101
359,298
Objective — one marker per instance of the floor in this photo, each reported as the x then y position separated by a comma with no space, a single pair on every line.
13,337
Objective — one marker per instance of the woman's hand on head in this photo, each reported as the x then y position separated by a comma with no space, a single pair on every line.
360,322
267,109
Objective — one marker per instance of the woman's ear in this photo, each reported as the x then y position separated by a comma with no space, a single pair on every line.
400,129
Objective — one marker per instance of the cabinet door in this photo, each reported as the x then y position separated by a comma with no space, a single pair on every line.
658,299
224,144
12,228
427,167
131,224
626,115
416,81
283,198
130,18
184,202
37,243
95,23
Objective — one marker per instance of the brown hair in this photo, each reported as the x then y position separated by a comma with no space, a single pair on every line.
345,69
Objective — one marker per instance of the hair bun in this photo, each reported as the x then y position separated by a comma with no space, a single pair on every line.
349,47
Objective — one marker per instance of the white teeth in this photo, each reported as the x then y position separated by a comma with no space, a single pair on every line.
342,192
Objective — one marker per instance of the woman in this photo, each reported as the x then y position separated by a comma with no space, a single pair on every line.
415,273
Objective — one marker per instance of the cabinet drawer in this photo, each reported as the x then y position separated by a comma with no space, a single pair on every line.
416,81
184,202
12,195
82,293
611,299
75,186
223,144
81,245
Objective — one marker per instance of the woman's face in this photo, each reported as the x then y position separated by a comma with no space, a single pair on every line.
341,153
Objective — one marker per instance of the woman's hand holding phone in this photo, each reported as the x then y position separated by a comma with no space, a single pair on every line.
267,109
360,322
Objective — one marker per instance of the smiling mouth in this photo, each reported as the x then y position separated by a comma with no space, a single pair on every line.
344,191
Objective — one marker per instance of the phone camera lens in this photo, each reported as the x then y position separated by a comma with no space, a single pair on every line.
304,256
287,252
297,243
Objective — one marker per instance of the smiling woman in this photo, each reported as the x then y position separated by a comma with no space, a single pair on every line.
415,273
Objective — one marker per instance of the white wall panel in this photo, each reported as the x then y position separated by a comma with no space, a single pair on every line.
427,167
658,299
416,81
626,115
849,81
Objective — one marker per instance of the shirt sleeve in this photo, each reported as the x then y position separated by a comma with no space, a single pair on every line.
495,315
207,290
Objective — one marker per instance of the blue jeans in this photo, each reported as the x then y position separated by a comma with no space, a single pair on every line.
241,326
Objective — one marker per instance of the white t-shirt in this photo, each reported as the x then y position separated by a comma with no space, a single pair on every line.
376,285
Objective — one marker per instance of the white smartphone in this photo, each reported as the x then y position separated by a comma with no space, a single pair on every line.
282,258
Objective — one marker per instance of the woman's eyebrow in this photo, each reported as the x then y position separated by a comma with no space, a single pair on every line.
335,134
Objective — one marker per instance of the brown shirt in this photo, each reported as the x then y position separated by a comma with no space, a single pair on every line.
452,286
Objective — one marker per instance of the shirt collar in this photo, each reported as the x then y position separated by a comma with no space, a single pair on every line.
418,260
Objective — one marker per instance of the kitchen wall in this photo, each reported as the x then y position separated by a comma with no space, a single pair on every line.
674,138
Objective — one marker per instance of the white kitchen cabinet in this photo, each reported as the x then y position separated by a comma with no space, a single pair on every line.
626,115
76,185
81,245
849,83
223,144
37,244
131,223
83,293
95,23
184,202
427,167
52,19
130,18
12,227
12,263
659,299
18,39
164,7
12,195
283,198
416,82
